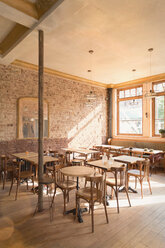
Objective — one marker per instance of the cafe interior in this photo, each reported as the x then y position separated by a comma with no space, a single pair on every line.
82,123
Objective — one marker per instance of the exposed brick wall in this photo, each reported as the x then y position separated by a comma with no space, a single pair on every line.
71,121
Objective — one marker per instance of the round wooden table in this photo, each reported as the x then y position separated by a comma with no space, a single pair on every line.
77,171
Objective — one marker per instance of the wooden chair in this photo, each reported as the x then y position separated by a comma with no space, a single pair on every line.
92,194
155,161
141,173
118,181
19,175
64,183
6,168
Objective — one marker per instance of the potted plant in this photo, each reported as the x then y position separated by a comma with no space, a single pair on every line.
162,133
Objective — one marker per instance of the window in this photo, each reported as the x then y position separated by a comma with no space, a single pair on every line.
158,104
130,111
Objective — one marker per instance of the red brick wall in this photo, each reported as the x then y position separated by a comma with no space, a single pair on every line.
71,121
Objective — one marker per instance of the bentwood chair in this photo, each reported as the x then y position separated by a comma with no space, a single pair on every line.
64,183
141,173
117,181
94,193
20,176
6,169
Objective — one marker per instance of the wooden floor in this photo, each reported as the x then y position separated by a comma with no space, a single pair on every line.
142,225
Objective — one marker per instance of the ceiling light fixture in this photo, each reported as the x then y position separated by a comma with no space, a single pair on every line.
151,93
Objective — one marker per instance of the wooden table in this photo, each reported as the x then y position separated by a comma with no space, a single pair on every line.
142,151
128,159
32,157
83,151
105,166
110,147
77,171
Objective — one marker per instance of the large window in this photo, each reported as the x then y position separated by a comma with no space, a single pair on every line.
130,111
158,108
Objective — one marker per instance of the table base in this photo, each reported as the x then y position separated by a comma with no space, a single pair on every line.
80,211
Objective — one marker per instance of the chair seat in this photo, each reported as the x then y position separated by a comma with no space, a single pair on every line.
68,184
135,172
47,180
111,182
85,193
50,168
26,174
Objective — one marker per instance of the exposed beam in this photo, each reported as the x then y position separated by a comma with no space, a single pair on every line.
16,15
16,33
24,32
23,6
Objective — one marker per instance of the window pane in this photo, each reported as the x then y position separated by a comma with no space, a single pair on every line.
133,92
121,94
130,117
127,93
159,87
139,91
159,113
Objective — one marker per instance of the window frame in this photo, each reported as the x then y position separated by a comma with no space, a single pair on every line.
128,99
153,108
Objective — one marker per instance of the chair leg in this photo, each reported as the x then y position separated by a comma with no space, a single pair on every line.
4,180
92,216
12,180
64,195
105,208
141,184
149,185
126,190
17,188
116,194
27,184
135,182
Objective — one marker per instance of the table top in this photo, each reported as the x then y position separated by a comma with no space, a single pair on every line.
80,150
128,159
110,146
33,157
46,159
143,150
105,166
77,171
23,155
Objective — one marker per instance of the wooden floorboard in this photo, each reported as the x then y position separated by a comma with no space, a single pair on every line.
139,226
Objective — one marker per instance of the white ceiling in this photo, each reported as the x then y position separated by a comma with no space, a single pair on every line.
119,31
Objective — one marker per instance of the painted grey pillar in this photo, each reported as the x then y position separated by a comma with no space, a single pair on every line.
40,119
109,112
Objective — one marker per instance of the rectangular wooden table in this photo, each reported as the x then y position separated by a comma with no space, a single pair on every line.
83,151
32,157
110,147
106,167
128,159
142,151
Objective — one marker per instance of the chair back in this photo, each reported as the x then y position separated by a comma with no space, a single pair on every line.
144,167
97,186
120,175
58,175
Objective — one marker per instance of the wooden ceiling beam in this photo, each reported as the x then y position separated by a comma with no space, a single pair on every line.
14,35
23,6
16,15
19,32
